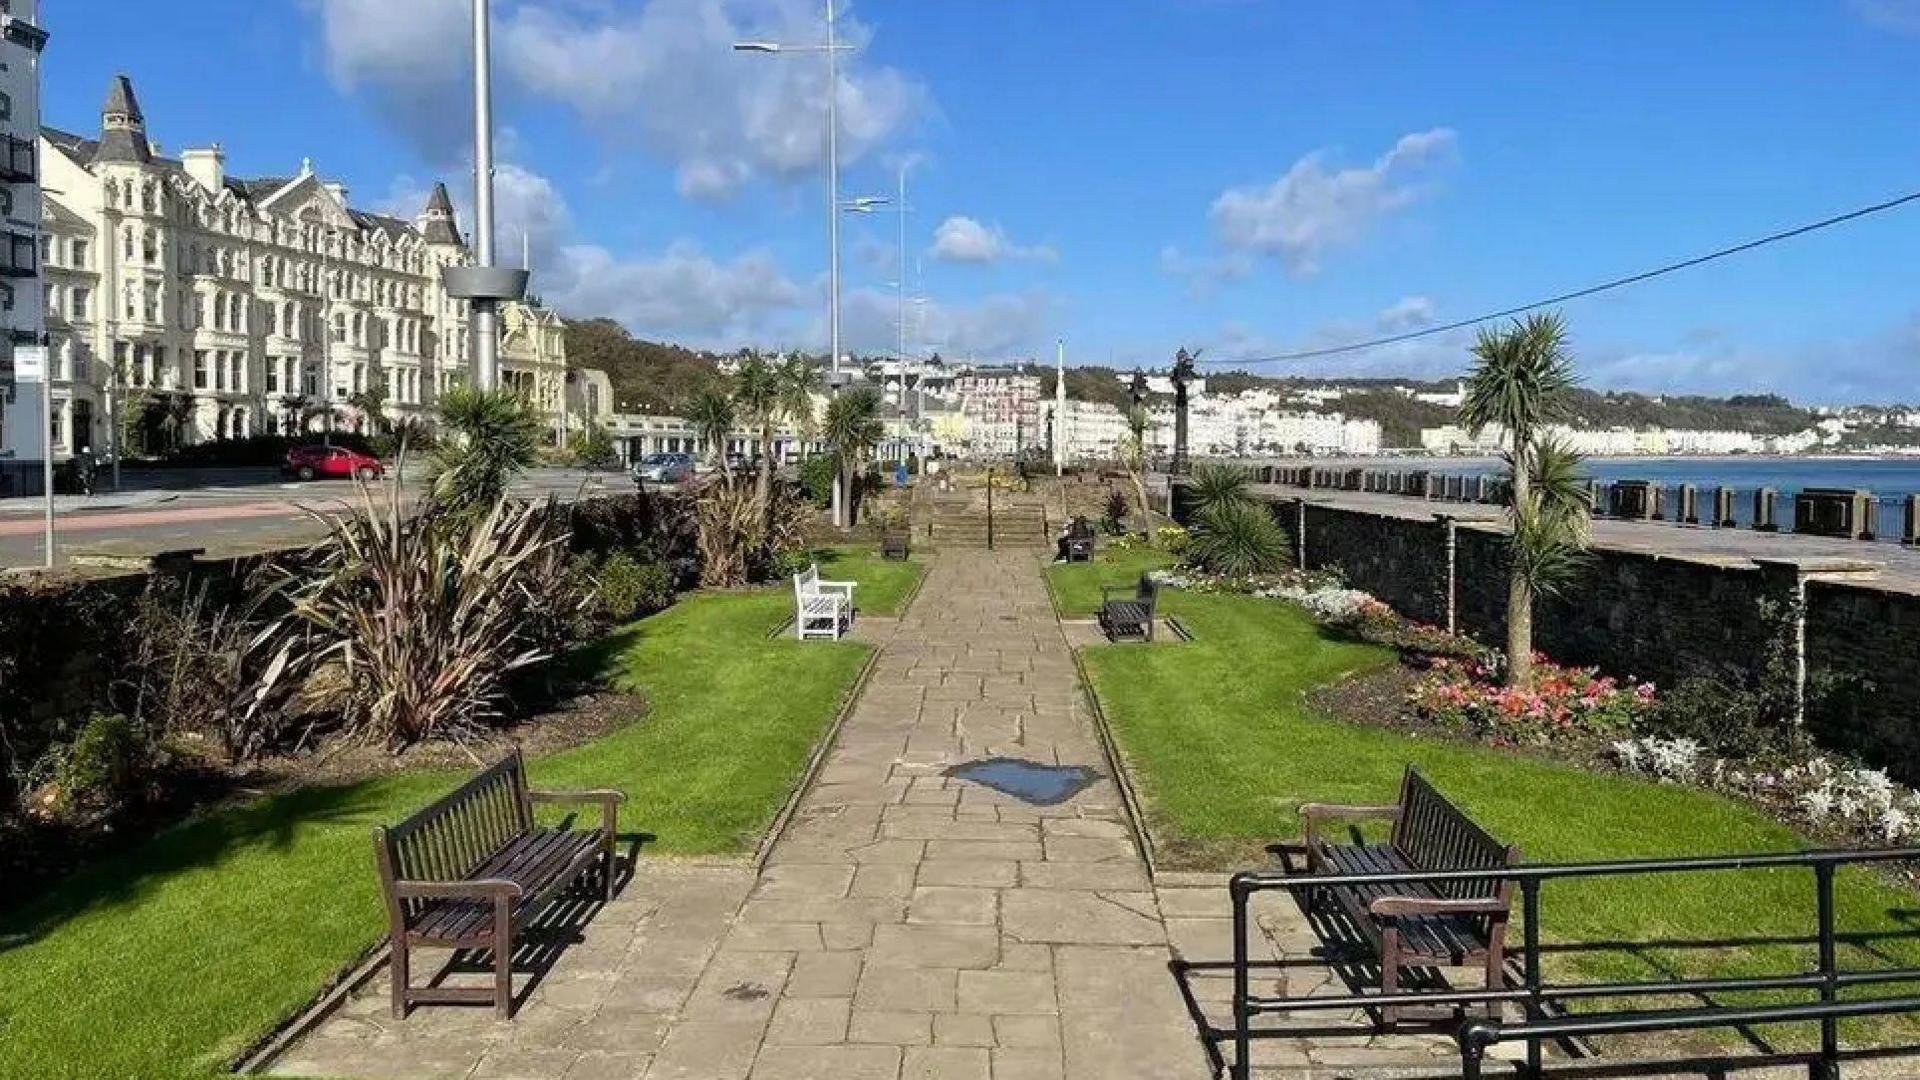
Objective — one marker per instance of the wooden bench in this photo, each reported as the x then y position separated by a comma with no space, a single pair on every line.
1076,543
821,609
895,544
1453,923
1128,612
471,869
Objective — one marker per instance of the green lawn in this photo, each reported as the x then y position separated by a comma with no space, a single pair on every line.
1076,586
1223,750
165,962
885,584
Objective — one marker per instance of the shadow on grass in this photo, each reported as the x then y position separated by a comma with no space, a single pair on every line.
131,878
1345,954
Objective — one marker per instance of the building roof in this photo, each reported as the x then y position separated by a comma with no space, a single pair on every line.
440,226
123,128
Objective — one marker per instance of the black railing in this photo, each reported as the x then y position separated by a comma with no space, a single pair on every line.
1534,994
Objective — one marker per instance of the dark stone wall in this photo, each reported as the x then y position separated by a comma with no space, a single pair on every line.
1863,659
1657,618
1402,562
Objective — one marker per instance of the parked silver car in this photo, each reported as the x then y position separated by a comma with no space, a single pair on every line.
663,469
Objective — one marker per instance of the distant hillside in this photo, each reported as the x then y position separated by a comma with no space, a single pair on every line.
647,376
651,376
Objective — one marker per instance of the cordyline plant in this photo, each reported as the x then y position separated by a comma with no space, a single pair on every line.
734,536
415,619
1520,385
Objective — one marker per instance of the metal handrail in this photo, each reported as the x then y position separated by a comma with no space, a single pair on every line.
1534,992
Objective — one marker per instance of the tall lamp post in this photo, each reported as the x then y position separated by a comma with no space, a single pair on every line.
484,285
831,49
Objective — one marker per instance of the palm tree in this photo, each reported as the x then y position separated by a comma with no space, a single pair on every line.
1133,455
851,430
713,418
1520,385
495,436
766,394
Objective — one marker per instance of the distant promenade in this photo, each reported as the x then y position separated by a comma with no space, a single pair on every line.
1899,567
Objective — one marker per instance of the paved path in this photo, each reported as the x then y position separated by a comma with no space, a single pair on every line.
915,926
909,926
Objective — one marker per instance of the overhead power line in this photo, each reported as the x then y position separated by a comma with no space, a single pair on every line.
1605,286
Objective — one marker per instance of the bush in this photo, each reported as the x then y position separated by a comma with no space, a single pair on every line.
1722,719
816,479
1239,539
626,588
1113,517
1216,485
785,564
415,619
102,770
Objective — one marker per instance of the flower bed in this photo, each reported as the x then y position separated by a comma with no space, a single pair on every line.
1586,717
1466,696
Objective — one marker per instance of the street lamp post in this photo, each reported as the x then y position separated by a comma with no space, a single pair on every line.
832,49
486,315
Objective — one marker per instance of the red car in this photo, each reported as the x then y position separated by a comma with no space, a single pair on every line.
332,462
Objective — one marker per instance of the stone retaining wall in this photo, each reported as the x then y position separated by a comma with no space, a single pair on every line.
1657,617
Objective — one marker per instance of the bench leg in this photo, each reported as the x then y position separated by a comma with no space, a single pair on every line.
401,972
1389,975
1496,974
608,865
502,960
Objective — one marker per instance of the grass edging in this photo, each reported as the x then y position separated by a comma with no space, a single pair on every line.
1122,778
275,1041
815,762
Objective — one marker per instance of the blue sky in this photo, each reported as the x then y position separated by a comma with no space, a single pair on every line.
1246,176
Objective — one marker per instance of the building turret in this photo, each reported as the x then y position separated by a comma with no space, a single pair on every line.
437,224
123,128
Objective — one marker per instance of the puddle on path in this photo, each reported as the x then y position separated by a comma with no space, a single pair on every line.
1029,781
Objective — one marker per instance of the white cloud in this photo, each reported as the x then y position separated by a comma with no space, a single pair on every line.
1407,313
661,74
998,326
683,294
1204,274
1900,16
962,239
1314,209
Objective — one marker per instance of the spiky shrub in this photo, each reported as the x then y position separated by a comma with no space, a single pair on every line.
414,621
1238,539
737,544
1113,516
490,437
1214,484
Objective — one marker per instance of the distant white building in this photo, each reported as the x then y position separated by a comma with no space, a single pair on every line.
1003,411
23,444
1095,431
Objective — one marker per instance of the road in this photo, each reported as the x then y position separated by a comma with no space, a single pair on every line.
234,512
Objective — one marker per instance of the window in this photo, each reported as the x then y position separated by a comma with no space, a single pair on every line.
200,369
46,242
339,327
78,299
80,254
273,376
6,107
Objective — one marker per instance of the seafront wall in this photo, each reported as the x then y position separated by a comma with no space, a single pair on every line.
1664,617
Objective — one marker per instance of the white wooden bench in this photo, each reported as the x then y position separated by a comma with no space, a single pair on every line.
821,609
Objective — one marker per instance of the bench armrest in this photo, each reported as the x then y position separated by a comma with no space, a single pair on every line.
606,799
1319,811
477,889
1313,814
845,587
1388,907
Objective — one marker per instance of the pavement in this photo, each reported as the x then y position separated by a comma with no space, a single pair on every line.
908,925
227,512
1896,567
